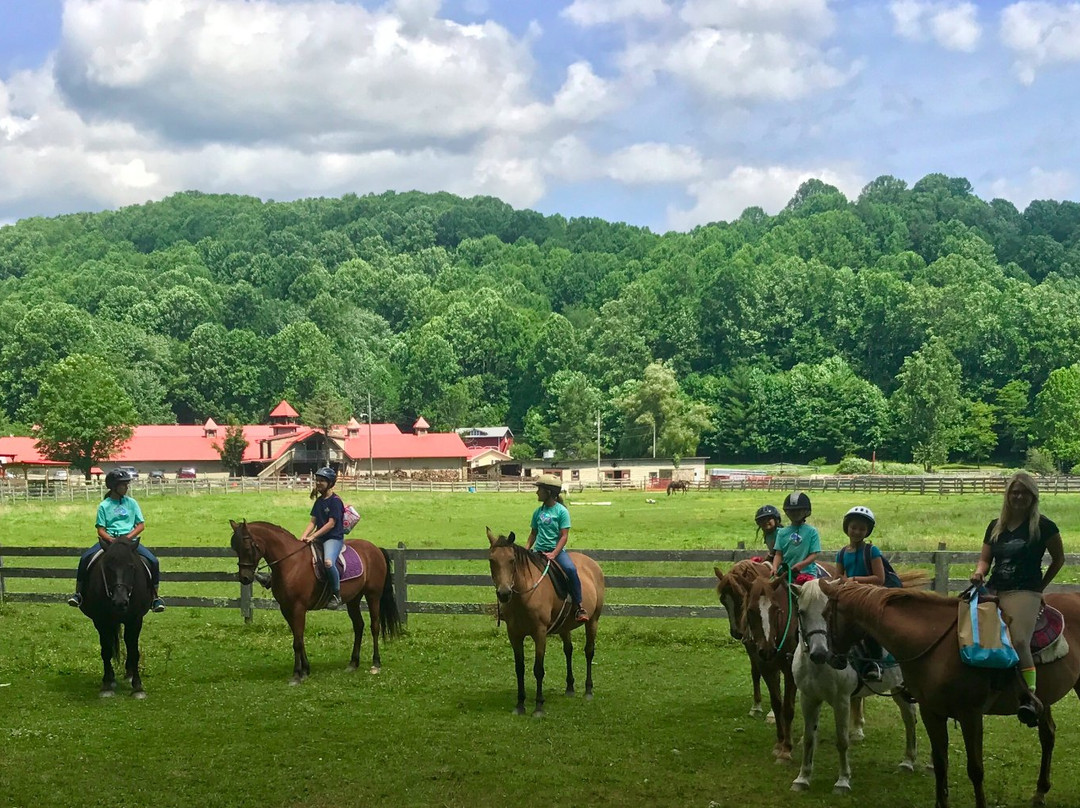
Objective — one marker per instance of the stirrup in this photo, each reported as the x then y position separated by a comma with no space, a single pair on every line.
334,603
75,600
905,694
1030,711
872,672
582,616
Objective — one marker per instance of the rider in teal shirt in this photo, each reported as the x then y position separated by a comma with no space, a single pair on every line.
550,530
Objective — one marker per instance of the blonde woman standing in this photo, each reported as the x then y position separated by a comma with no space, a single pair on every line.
1013,547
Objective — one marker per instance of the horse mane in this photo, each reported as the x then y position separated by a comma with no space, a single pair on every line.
740,576
520,553
270,526
873,599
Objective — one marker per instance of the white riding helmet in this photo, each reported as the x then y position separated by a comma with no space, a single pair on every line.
863,513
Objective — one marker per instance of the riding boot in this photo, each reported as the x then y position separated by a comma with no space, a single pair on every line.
1031,709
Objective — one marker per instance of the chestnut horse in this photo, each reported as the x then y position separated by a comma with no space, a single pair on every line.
920,630
772,623
732,588
298,591
531,607
118,594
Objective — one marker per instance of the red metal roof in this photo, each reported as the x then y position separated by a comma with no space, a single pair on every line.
284,410
175,444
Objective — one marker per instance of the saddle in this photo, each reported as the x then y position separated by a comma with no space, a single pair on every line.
349,563
559,579
1048,642
101,551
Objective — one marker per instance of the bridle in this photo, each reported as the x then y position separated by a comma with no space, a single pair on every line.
261,561
830,619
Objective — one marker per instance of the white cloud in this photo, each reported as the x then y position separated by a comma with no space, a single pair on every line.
589,13
724,196
799,18
1036,184
654,163
1041,34
725,63
954,26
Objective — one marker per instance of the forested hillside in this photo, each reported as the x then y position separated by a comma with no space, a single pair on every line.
918,321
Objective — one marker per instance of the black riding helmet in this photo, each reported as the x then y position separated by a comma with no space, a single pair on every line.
797,500
327,474
116,477
767,512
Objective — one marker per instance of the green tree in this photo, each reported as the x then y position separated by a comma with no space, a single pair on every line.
926,406
1057,415
84,416
976,438
657,400
324,410
231,449
1013,406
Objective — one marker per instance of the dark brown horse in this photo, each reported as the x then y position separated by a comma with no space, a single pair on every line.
678,485
298,591
732,589
117,595
920,630
531,607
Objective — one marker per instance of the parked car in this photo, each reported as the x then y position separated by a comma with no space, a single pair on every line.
157,475
187,473
133,472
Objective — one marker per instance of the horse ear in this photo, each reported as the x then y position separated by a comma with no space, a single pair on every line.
511,537
233,525
491,536
719,572
828,587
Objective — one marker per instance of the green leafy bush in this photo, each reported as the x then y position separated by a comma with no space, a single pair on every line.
1039,461
853,465
898,469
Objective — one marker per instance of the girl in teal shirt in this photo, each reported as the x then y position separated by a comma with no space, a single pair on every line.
550,530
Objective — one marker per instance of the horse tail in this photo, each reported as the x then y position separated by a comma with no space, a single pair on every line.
915,579
389,617
117,643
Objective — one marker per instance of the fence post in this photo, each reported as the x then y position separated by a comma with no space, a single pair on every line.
245,603
1,579
941,570
401,592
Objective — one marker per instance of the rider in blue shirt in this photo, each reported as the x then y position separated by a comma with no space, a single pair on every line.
118,517
550,530
328,526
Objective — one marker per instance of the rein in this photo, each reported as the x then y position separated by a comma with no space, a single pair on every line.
897,662
266,561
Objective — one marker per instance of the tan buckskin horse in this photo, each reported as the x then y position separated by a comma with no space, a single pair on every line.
919,629
531,608
298,591
732,589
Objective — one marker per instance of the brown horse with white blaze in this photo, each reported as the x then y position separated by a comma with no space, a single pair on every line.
920,630
732,588
298,591
531,607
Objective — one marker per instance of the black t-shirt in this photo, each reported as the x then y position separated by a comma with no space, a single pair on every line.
325,508
1017,562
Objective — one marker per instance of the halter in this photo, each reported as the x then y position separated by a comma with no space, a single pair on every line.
262,555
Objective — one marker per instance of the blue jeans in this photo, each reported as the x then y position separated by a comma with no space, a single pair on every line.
563,560
331,550
84,563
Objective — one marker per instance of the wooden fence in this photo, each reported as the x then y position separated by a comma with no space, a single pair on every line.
941,561
934,484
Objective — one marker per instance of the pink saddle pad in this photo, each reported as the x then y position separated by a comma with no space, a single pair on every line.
1048,627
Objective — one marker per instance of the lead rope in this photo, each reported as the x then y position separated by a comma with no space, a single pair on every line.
783,639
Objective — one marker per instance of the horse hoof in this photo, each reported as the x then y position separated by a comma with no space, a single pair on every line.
570,692
588,695
757,712
1039,799
107,694
799,785
375,669
519,710
856,736
770,718
139,694
538,713
783,757
352,667
841,789
907,766
295,681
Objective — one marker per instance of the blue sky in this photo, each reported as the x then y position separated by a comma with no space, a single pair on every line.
664,113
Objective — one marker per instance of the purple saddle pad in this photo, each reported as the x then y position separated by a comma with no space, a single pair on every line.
1048,627
349,563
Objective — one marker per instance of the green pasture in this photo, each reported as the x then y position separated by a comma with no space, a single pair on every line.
668,726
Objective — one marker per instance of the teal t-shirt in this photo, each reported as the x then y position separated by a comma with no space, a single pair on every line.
854,564
548,524
796,542
118,516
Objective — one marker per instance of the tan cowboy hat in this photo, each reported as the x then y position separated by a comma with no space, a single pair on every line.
550,480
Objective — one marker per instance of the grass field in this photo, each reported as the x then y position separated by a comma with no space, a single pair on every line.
668,725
